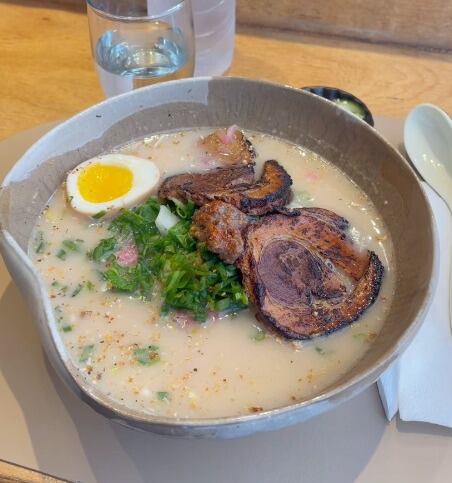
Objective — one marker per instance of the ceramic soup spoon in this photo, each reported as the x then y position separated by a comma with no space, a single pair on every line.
428,142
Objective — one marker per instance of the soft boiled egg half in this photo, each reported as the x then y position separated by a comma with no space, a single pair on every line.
105,184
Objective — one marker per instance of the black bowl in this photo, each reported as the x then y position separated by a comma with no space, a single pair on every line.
333,94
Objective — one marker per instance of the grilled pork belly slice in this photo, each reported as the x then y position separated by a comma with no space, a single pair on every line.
234,185
300,270
220,226
304,276
206,185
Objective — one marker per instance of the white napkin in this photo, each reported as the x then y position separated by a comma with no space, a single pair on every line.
419,384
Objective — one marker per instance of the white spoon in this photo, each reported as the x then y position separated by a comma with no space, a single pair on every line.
428,142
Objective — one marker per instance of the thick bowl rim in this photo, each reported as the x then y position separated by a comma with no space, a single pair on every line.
339,393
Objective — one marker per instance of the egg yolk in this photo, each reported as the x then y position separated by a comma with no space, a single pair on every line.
99,183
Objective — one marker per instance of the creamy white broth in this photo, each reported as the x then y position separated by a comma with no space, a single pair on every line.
217,368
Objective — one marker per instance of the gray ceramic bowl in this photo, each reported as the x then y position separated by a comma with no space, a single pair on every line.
290,113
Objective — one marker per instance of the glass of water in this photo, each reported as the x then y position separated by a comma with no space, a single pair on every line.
140,42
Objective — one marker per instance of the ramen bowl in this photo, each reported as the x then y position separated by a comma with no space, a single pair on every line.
293,115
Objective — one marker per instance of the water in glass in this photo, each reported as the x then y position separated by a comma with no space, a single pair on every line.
151,53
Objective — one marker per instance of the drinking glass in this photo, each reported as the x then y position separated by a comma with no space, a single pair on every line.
140,42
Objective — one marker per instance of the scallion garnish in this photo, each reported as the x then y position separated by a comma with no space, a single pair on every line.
40,243
163,395
259,335
99,215
77,290
191,277
147,356
86,353
90,285
103,249
323,352
72,245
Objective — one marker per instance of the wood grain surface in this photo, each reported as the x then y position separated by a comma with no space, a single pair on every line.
47,71
11,473
412,22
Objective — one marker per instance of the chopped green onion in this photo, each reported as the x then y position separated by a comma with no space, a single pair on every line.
163,395
40,248
71,245
77,290
147,356
183,210
103,249
67,328
223,304
90,285
99,215
86,353
129,279
191,277
40,243
259,335
58,313
322,351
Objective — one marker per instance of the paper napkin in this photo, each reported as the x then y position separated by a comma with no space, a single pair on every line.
419,384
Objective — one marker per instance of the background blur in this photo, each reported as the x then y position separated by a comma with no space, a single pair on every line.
390,53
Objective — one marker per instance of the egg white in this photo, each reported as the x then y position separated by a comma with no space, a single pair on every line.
146,175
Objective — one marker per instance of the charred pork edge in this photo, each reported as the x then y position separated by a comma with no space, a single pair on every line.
375,267
280,196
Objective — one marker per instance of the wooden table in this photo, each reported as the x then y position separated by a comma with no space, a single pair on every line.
47,73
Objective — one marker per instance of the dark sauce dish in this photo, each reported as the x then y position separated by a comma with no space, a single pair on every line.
345,100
